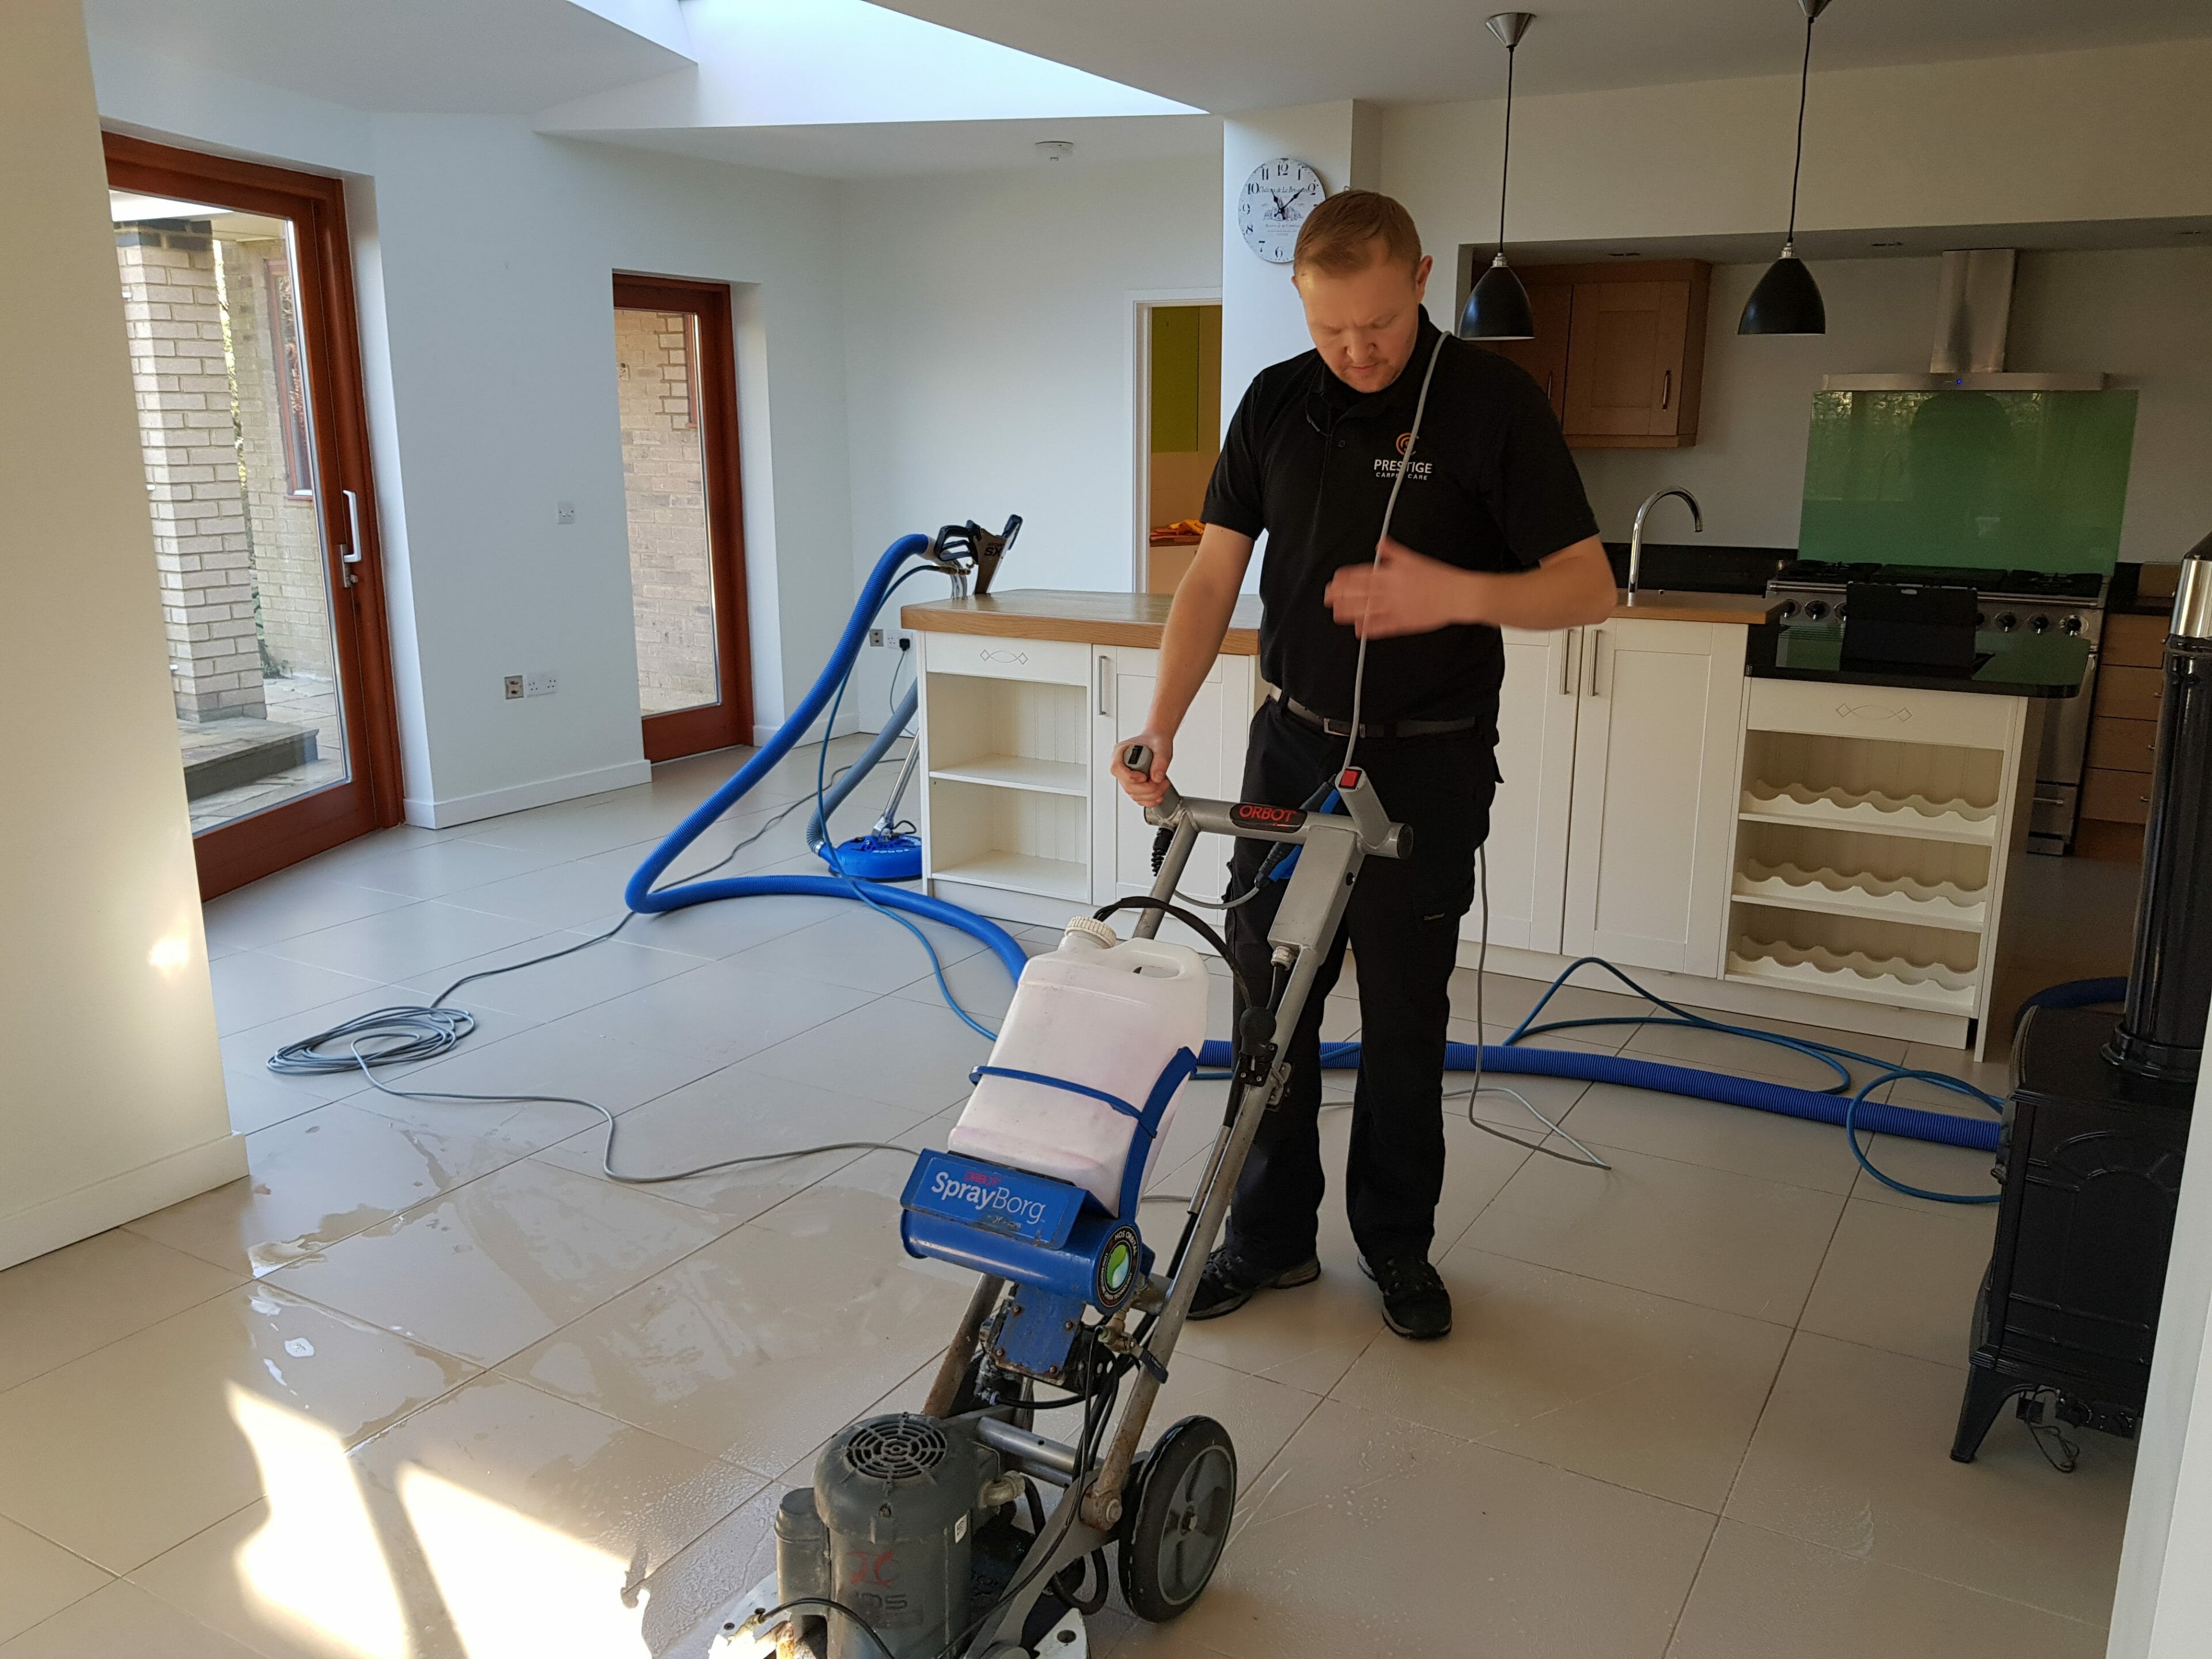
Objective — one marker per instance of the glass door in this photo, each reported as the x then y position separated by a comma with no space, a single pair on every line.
237,302
677,388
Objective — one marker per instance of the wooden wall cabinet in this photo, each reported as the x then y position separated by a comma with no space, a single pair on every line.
1619,349
2122,737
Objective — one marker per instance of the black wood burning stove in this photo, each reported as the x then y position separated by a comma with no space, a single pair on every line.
2091,1152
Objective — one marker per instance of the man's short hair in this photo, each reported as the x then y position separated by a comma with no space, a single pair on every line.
1339,236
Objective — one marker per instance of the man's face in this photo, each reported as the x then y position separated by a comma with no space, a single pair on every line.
1365,322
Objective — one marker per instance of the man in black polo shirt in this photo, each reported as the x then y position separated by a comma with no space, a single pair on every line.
1490,528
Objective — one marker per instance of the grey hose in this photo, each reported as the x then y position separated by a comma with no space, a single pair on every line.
817,827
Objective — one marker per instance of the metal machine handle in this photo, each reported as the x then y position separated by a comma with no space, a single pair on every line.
1665,387
350,552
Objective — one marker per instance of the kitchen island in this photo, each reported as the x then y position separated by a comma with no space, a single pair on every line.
1730,817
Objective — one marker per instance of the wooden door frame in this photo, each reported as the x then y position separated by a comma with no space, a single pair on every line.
728,721
233,854
1142,303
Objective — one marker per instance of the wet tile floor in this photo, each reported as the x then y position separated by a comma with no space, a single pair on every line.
428,1384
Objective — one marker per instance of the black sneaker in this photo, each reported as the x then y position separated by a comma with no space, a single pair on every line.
1229,1280
1415,1303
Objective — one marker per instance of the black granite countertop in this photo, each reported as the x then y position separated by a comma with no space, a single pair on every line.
2050,665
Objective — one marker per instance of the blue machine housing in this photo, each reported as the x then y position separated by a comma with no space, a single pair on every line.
1055,1241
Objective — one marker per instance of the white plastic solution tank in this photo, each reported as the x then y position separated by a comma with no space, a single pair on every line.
1106,1013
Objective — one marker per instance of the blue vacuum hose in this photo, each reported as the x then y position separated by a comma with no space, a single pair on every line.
640,894
1978,1133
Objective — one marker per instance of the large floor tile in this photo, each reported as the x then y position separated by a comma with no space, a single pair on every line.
1759,1596
768,1340
433,869
1305,1338
1260,1415
736,1113
316,1179
57,1307
860,948
1929,1165
252,988
123,1619
496,1265
1904,1279
1742,1139
395,945
1371,1535
903,1054
558,1058
1853,1454
1633,1389
1720,1051
1700,1235
723,928
246,1053
719,1012
686,1596
287,905
136,1446
549,990
38,1579
433,1537
980,983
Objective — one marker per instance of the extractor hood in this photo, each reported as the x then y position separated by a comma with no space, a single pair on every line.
1973,313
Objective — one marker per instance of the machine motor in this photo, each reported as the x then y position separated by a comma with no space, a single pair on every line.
887,1531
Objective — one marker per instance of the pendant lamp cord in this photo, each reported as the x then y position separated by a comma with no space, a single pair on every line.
1505,158
1796,166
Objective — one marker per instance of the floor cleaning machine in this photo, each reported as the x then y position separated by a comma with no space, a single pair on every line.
928,1536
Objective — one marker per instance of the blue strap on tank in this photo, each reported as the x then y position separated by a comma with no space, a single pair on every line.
1172,1077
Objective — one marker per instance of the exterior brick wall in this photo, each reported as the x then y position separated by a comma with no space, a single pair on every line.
173,313
671,576
283,527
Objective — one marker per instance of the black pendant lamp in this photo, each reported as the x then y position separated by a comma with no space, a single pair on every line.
1786,299
1498,306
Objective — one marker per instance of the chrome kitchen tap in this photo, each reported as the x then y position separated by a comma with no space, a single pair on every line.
1636,536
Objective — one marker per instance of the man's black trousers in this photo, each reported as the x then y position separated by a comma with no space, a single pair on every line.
1402,924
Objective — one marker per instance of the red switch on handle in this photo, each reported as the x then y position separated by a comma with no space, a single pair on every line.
1350,780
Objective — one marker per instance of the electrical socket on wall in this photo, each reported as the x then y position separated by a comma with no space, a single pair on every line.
875,637
543,683
512,683
564,512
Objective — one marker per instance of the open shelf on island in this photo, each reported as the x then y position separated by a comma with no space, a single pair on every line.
1914,817
1869,958
1023,872
1902,898
1054,777
1862,978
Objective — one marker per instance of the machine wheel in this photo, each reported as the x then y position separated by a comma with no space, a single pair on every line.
1178,1520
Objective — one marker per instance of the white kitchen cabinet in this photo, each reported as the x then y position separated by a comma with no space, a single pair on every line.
1526,854
1209,761
1657,735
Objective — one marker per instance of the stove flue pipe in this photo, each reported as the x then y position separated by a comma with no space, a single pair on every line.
2170,989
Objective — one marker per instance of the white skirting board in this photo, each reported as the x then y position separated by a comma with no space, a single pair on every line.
1729,996
544,792
56,1222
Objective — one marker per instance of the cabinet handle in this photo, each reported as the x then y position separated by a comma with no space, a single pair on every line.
1597,638
1105,668
1665,387
1547,385
1567,661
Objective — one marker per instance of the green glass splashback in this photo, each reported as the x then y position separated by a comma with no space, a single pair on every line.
2015,480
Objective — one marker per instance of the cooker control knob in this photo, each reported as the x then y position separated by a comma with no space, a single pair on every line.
2007,622
1981,619
1788,609
1842,611
2039,625
1816,609
2071,625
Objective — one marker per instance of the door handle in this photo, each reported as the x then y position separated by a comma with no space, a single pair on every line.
1105,668
350,552
1665,387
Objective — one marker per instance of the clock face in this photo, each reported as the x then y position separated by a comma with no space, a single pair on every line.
1274,203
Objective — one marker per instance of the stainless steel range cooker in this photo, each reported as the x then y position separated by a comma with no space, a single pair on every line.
2010,603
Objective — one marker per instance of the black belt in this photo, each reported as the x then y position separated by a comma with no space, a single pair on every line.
1330,728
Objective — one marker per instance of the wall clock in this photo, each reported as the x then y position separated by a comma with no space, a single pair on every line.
1273,205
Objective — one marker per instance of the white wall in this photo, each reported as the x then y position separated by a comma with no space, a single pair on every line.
989,357
2143,316
483,257
111,1092
2109,135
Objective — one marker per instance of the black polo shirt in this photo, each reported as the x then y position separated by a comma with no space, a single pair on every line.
1311,461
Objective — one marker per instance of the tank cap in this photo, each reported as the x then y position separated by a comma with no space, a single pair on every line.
1100,933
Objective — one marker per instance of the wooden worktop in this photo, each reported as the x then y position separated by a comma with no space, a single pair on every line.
1044,613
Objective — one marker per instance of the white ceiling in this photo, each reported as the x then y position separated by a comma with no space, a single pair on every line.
890,150
1229,55
426,57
